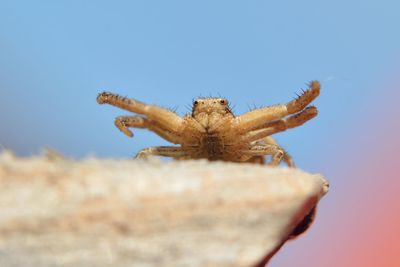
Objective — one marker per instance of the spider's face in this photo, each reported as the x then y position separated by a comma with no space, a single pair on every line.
209,111
207,106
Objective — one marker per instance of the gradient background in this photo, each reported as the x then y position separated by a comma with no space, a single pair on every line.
55,56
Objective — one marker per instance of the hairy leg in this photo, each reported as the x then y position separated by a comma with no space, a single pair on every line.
282,125
166,151
286,156
260,150
123,122
167,119
256,118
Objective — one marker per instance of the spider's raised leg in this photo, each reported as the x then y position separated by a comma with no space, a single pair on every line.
166,151
257,118
281,125
123,122
164,117
259,150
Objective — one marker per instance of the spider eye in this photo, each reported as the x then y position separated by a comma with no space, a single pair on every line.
223,101
195,103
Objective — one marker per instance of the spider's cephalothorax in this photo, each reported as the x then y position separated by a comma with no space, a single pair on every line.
213,132
208,112
210,108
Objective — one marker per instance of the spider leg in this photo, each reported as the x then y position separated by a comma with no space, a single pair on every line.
123,122
256,160
260,150
166,151
286,156
165,118
282,124
257,118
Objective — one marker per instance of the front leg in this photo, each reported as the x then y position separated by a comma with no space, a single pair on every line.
124,122
281,125
257,118
166,118
165,151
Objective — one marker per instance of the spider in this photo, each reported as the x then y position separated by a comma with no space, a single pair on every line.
213,132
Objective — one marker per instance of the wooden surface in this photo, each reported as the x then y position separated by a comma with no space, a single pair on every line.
57,212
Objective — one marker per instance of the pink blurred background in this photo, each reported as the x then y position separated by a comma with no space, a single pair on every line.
358,222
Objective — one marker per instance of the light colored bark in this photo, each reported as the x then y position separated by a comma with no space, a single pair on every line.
103,212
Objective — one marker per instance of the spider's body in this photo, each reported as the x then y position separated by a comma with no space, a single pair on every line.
210,142
213,132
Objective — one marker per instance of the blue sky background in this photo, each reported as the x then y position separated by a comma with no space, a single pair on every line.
56,56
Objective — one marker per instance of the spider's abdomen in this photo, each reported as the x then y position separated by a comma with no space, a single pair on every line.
212,147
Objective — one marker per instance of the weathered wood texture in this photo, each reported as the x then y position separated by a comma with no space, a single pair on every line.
56,212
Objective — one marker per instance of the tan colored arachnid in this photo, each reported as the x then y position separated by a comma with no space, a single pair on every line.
213,132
